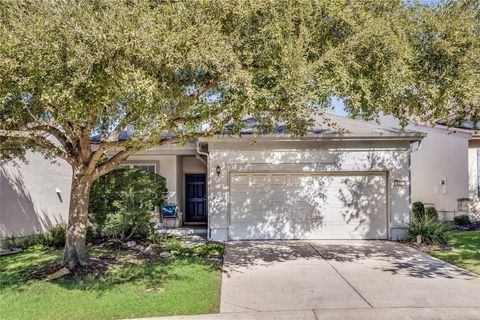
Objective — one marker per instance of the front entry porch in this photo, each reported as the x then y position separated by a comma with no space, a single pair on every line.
185,173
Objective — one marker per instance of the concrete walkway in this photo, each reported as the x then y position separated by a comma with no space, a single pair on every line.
341,280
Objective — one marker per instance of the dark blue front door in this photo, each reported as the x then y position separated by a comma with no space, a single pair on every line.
195,198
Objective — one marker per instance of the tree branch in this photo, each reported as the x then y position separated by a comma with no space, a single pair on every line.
57,133
112,163
195,95
119,128
36,136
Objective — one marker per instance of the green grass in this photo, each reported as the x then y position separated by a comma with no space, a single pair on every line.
465,252
137,287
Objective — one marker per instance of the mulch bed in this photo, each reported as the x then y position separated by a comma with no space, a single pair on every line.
101,264
97,266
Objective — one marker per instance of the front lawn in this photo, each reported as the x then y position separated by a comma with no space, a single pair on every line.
123,284
465,252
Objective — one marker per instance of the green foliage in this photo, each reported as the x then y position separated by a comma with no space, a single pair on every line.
90,235
418,211
431,230
462,220
168,66
56,236
210,248
465,251
135,287
431,213
175,244
7,242
155,237
121,202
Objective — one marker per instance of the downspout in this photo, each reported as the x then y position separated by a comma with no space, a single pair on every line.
416,148
199,155
410,150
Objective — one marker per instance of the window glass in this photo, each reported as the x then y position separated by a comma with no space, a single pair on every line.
146,167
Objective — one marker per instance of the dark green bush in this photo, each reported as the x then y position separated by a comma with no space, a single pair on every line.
418,211
462,220
90,233
431,212
56,236
121,202
431,230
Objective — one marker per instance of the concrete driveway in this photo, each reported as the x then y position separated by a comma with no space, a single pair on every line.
355,277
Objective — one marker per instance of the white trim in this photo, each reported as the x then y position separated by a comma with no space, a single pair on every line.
130,165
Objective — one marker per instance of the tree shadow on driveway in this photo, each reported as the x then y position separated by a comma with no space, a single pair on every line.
387,256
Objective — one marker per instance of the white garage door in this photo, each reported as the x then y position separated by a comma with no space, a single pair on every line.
308,206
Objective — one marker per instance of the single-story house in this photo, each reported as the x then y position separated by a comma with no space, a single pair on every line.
349,182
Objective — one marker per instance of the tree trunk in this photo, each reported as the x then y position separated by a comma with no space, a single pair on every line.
75,253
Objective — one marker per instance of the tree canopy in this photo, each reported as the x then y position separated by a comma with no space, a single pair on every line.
74,69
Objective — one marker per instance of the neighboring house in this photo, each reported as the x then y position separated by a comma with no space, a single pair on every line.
474,173
439,169
329,184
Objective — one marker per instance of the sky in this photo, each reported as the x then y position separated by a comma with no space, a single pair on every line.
339,108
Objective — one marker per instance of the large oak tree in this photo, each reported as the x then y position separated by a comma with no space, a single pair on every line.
171,71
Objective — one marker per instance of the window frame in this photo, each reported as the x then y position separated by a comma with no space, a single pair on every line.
131,165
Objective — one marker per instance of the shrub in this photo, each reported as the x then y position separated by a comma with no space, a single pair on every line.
56,236
121,202
129,219
431,212
90,234
155,237
418,211
8,242
462,220
431,230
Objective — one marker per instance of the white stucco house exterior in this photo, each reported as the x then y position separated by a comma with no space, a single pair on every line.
329,184
474,175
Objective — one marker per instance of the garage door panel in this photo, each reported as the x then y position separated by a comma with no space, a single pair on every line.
309,206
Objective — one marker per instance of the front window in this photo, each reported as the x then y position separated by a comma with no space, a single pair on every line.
146,167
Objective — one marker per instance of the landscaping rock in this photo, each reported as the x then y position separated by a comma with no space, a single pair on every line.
151,249
165,254
131,244
140,247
